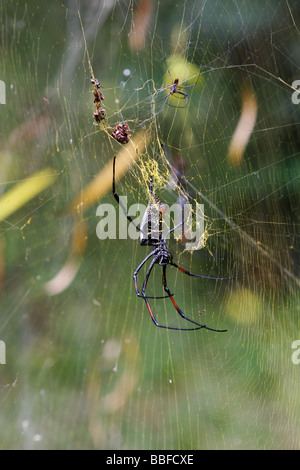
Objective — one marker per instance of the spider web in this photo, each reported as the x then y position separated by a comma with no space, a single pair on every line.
86,367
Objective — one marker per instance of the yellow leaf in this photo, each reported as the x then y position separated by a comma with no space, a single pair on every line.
24,191
102,183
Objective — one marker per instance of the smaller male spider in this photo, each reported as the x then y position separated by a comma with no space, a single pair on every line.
160,255
175,88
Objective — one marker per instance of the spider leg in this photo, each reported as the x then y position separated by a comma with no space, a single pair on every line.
187,86
149,307
143,294
173,94
166,86
164,98
118,199
137,270
164,326
198,275
146,278
183,94
146,282
166,288
163,88
172,229
156,323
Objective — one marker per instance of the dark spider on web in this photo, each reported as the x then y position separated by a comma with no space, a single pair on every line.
159,255
176,89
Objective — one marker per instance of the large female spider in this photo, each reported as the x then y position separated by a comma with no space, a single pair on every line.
160,255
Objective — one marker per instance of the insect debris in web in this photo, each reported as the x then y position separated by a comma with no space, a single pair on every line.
121,132
100,112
